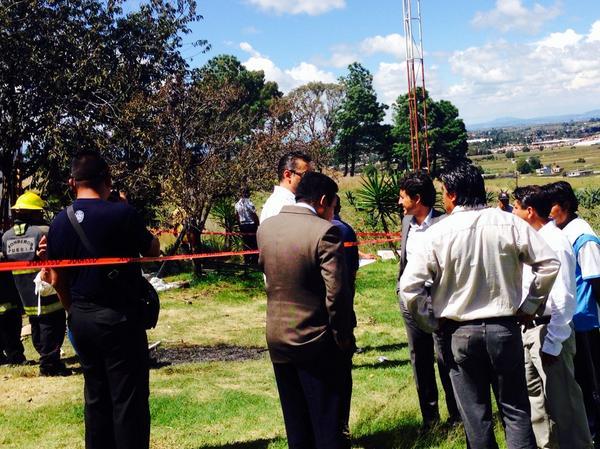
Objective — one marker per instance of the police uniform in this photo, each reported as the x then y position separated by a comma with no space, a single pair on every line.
46,316
11,348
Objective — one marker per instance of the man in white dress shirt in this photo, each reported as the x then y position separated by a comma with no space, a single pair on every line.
557,411
290,170
472,263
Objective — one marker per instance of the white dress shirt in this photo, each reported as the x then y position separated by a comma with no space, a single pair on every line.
561,303
279,198
415,234
473,260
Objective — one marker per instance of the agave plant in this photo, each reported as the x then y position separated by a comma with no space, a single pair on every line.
589,197
378,196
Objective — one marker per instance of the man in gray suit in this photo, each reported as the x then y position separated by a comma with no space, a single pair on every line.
417,197
310,317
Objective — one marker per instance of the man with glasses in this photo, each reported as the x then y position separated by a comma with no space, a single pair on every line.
290,170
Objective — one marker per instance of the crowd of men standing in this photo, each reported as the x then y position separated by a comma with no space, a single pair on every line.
505,303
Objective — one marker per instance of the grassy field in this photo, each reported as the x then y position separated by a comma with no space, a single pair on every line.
234,404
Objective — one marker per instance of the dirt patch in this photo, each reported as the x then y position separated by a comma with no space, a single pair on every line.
197,354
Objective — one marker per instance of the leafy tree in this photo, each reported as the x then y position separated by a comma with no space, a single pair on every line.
510,154
218,130
313,108
446,132
534,162
77,74
358,119
523,166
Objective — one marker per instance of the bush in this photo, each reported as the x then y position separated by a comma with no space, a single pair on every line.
523,166
526,149
534,162
510,154
580,161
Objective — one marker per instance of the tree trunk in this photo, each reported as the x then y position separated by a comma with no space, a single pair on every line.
346,164
353,166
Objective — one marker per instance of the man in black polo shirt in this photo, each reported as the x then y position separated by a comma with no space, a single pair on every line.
104,314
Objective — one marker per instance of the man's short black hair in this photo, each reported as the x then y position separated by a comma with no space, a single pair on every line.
288,162
535,197
466,182
88,166
419,184
313,186
338,205
562,193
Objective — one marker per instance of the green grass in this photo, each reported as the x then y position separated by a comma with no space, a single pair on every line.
235,404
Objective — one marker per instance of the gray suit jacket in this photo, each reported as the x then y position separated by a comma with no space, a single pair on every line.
435,217
309,305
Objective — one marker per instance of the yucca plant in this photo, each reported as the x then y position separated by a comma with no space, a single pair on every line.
378,196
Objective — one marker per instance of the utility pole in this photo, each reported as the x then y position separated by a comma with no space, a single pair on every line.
415,71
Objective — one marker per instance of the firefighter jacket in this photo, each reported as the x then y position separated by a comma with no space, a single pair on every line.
20,243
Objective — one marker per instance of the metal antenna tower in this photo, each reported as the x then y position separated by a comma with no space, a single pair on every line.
415,71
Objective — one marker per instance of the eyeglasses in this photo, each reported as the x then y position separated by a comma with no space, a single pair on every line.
301,174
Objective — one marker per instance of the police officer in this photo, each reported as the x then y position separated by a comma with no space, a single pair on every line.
46,314
104,313
11,348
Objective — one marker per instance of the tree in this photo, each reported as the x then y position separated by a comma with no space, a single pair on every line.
313,108
218,130
510,154
523,166
358,120
446,133
534,162
77,74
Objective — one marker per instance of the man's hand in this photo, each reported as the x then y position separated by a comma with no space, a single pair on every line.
42,249
347,345
548,359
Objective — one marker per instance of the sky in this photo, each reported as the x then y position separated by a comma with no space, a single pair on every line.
491,58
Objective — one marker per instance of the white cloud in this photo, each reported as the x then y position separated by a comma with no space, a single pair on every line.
344,54
287,79
560,73
245,46
250,30
513,15
594,35
311,7
392,44
561,40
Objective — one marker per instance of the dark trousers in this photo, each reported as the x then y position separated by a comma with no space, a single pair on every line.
48,335
113,351
488,354
315,399
586,362
249,240
11,348
422,347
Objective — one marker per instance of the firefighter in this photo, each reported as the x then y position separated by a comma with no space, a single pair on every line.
11,348
46,314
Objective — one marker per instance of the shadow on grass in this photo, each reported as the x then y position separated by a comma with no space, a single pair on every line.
405,435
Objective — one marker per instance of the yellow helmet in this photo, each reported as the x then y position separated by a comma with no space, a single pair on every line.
29,200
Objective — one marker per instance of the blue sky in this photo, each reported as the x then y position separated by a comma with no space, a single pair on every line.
492,58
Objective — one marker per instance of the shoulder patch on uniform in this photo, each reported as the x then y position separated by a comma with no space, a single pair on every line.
79,215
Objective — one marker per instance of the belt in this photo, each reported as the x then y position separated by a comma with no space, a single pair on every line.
495,320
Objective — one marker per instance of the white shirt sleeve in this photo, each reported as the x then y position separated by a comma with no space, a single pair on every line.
561,303
589,260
